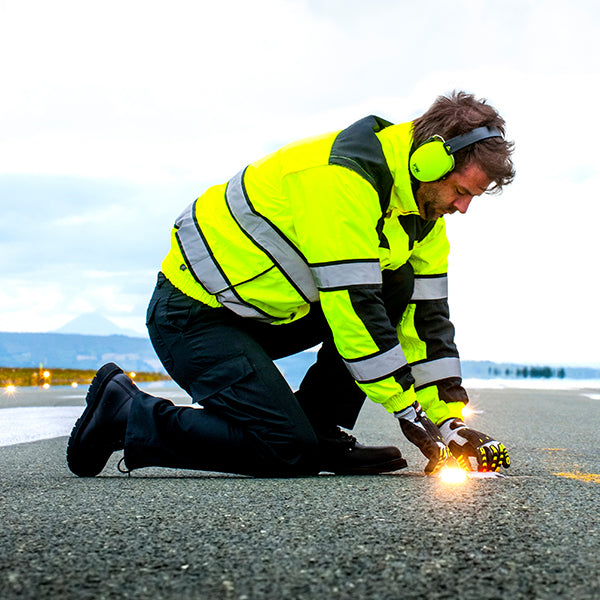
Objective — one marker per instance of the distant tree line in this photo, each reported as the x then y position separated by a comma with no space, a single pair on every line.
535,372
41,376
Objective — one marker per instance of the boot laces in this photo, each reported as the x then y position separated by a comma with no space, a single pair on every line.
336,435
345,437
123,469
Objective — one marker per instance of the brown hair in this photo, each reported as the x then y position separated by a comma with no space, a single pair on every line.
458,113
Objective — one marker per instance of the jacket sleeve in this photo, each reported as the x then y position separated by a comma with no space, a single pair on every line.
335,217
427,334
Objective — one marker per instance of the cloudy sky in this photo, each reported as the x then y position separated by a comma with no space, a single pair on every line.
115,115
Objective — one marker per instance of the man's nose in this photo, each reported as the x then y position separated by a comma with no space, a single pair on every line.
462,203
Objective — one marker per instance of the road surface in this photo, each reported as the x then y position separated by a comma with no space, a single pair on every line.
180,534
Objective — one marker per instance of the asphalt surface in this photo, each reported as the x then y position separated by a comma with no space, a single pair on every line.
180,534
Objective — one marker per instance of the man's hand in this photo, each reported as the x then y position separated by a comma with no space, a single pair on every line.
420,430
465,442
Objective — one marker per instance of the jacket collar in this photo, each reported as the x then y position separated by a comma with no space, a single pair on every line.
396,142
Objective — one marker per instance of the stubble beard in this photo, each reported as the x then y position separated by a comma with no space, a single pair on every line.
429,205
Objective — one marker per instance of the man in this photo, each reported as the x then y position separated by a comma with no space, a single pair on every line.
339,240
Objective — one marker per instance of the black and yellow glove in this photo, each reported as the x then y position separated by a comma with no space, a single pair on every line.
422,432
465,442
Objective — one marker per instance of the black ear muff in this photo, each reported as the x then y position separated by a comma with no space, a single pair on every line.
434,158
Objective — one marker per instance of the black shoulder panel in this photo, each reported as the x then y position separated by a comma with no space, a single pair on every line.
415,228
358,149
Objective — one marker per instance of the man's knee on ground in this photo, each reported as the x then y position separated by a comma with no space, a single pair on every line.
286,454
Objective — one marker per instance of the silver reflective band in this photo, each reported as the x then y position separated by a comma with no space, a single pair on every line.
341,275
266,237
430,288
205,270
436,370
377,367
239,307
201,262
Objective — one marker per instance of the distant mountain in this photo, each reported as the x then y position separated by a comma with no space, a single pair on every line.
93,323
72,351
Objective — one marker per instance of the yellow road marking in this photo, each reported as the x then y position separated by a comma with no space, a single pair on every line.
590,477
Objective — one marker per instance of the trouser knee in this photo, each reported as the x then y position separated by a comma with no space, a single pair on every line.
282,456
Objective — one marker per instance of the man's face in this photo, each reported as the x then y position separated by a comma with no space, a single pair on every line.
451,194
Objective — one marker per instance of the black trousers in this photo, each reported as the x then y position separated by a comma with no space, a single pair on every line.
250,421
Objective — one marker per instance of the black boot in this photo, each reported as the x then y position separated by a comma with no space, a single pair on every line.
343,455
101,428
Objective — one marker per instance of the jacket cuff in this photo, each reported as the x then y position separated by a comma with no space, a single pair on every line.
453,410
400,401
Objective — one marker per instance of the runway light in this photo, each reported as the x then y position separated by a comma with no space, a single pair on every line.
46,386
470,411
74,384
453,475
46,374
11,389
466,412
132,375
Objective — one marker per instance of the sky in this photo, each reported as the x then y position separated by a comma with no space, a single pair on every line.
115,115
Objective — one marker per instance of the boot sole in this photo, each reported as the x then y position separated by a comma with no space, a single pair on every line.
102,377
387,467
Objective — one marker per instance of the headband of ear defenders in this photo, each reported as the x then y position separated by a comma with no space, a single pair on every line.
434,158
471,137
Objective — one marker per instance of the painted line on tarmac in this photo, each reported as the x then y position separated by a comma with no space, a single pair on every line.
30,424
588,477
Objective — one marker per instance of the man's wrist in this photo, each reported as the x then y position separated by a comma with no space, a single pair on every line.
449,426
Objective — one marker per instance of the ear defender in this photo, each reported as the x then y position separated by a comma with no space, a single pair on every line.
431,160
434,158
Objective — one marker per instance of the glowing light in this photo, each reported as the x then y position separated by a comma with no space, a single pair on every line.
46,386
11,389
467,412
74,384
132,375
46,374
453,475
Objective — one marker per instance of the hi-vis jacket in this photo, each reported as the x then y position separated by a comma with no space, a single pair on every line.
317,221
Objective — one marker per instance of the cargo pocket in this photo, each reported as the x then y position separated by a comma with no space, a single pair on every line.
178,309
212,382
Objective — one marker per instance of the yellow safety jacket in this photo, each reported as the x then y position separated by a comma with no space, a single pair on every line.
317,221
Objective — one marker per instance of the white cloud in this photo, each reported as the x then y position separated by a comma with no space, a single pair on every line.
137,90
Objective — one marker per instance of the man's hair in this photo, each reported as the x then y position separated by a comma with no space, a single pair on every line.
458,113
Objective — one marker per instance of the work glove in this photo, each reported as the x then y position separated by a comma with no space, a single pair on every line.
465,442
421,431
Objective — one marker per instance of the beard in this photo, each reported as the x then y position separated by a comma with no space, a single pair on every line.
430,206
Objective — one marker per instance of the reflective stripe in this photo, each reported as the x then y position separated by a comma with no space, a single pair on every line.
436,370
377,367
205,269
229,299
268,239
342,275
430,288
194,248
